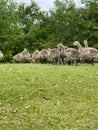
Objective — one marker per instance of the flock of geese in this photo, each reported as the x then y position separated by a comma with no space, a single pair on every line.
59,55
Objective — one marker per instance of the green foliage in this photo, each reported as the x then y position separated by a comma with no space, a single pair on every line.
27,26
8,58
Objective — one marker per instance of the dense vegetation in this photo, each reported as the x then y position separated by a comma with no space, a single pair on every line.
48,97
27,26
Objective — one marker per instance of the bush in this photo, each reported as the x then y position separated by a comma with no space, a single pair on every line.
8,58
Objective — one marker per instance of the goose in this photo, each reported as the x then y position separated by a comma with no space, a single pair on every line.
88,54
71,55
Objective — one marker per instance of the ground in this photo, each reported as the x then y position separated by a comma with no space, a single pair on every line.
48,97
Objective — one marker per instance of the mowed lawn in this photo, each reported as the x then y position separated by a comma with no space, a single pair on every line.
48,97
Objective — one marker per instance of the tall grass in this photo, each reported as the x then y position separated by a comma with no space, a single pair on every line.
48,97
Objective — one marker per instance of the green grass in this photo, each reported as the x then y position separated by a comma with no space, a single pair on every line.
48,97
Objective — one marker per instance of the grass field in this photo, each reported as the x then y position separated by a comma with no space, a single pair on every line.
48,97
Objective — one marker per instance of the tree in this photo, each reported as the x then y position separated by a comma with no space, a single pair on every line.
26,26
91,22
